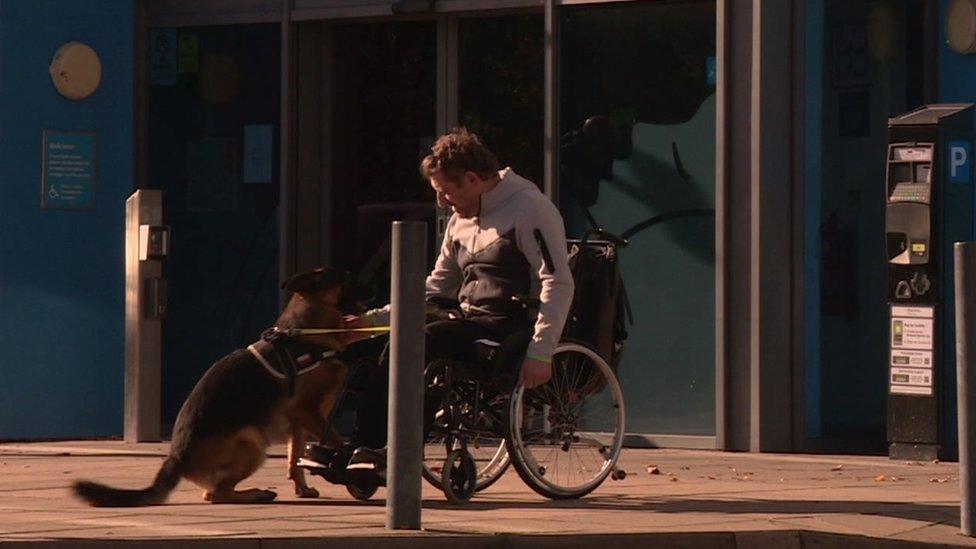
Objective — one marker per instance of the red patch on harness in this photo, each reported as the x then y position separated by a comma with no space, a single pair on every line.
305,360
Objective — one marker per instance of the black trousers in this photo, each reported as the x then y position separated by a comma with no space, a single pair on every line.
444,339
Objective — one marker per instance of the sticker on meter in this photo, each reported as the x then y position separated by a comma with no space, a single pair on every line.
911,381
909,358
912,333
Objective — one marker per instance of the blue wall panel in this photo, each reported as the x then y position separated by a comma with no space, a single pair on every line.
61,272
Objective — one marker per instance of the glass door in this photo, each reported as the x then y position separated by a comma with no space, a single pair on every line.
501,87
384,100
637,125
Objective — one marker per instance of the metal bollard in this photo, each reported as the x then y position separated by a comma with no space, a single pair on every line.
965,274
405,445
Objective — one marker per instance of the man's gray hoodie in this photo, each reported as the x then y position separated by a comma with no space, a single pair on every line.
515,246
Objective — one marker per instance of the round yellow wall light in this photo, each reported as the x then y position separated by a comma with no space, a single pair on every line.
960,26
76,71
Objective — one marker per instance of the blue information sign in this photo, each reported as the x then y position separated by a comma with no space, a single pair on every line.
68,171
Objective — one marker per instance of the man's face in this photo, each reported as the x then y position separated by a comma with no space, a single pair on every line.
463,194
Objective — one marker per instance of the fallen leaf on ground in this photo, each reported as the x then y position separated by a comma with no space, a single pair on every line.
653,470
939,480
673,479
837,467
685,468
712,477
935,461
879,478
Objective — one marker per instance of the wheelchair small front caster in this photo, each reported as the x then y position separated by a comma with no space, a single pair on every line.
362,490
459,476
618,474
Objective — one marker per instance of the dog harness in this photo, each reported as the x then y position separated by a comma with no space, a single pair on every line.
286,358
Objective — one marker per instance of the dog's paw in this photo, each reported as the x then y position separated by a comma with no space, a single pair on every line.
306,492
266,496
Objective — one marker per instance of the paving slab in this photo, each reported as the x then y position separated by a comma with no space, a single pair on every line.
697,499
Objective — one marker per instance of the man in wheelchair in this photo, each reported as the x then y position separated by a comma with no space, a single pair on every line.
503,246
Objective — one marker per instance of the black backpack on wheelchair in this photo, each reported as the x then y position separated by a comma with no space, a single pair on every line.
600,312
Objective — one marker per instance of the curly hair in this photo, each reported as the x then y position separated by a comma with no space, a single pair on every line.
459,151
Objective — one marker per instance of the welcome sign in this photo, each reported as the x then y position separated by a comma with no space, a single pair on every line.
68,171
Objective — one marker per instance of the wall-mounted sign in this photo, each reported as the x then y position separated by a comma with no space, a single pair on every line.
68,170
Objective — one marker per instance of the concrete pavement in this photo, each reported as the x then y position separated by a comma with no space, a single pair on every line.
699,499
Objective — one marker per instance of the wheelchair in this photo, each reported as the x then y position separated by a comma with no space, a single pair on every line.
563,438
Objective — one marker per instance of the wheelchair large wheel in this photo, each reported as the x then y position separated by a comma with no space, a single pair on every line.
565,436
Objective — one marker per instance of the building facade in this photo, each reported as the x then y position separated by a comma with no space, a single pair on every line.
286,134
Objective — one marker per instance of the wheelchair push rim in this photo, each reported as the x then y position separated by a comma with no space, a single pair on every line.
565,436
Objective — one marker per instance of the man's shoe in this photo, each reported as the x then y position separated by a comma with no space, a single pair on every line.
317,456
368,459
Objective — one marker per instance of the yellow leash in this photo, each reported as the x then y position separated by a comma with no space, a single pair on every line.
320,331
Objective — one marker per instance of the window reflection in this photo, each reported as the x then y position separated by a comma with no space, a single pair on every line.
637,92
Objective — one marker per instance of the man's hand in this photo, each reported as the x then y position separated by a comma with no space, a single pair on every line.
534,373
356,322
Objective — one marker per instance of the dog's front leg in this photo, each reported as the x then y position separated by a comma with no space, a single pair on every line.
296,446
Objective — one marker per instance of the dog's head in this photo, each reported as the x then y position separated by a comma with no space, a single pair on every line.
323,284
314,301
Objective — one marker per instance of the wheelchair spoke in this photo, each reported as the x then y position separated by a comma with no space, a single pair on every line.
568,432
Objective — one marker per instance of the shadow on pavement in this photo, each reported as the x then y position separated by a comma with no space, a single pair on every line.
925,512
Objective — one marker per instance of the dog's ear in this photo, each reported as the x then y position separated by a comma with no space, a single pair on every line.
323,278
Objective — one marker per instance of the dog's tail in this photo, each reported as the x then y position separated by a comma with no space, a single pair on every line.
100,495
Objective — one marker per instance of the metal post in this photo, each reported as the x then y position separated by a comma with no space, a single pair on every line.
965,253
405,445
143,332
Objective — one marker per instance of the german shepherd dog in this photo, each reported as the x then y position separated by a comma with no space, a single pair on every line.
247,400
